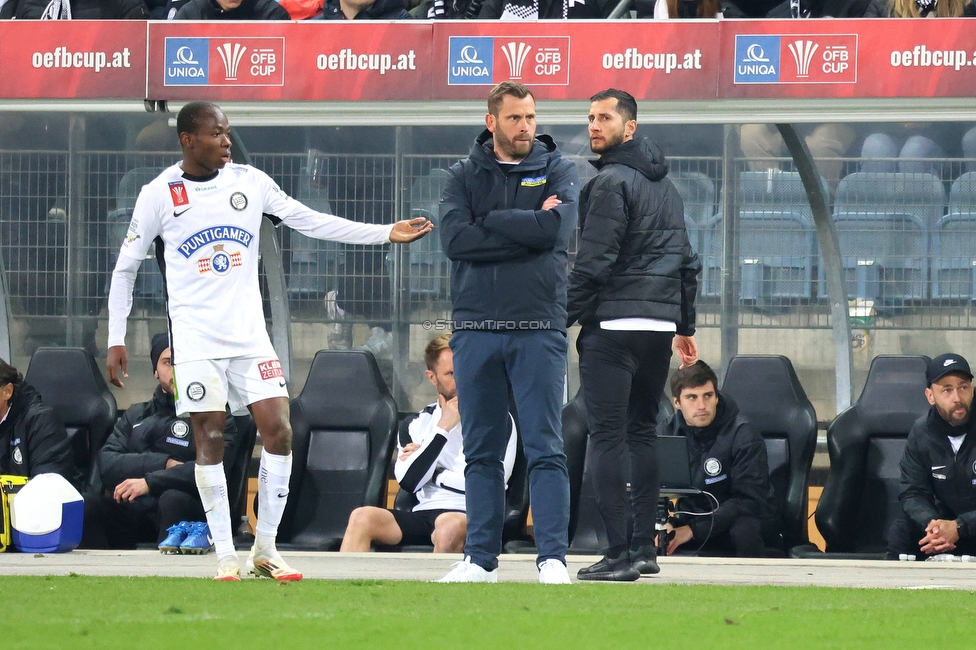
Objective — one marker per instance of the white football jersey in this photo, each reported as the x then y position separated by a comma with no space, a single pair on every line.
210,232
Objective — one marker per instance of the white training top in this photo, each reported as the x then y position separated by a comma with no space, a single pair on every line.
435,471
209,229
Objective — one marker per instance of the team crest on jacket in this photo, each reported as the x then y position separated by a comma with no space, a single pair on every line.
220,262
180,429
712,466
18,456
238,201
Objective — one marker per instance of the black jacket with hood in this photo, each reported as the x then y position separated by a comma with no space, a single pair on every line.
32,439
634,259
509,255
727,459
145,437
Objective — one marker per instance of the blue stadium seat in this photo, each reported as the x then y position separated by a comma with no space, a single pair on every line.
429,267
954,244
313,268
777,240
883,223
149,281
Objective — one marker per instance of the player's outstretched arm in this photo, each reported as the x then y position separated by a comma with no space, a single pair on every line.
410,230
119,306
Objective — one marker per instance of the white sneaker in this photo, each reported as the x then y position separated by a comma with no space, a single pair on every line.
268,563
553,572
467,572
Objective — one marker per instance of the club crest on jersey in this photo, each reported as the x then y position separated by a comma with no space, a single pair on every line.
221,262
194,242
180,429
238,201
178,192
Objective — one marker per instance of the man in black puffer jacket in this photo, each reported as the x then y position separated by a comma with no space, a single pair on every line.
229,10
727,459
146,469
633,289
32,440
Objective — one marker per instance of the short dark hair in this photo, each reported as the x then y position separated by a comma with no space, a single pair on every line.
513,88
188,119
695,375
9,374
626,104
434,349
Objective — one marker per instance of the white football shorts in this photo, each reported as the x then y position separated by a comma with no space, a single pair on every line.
211,384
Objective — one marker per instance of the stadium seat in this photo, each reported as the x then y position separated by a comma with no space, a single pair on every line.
883,222
776,241
344,423
587,531
149,281
866,443
429,267
768,393
313,266
71,383
954,244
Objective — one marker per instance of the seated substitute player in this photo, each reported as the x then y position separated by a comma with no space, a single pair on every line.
728,460
430,463
204,215
146,469
938,469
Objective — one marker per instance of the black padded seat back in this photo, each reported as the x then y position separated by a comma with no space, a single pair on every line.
240,461
71,383
344,423
574,444
769,394
866,443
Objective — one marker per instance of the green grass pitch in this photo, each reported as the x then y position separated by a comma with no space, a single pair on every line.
195,614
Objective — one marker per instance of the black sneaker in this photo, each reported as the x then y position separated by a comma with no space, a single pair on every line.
644,559
619,570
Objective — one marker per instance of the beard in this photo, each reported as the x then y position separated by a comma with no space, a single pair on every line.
513,148
609,142
952,419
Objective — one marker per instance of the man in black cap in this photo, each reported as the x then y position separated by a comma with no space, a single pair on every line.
938,470
144,480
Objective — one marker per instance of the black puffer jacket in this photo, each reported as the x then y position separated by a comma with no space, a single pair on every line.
145,437
937,483
634,259
80,9
248,10
379,10
728,459
509,255
32,440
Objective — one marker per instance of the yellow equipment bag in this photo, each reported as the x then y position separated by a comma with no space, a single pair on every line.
9,487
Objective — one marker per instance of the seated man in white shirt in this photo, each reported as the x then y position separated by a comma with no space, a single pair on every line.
430,463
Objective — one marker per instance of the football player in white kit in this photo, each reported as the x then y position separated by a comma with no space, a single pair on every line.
204,215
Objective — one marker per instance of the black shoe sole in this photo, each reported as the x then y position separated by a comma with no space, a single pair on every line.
647,568
623,575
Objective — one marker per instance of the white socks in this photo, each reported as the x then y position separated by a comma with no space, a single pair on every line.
212,485
273,479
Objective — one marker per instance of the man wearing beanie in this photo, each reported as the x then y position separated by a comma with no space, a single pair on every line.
938,469
144,478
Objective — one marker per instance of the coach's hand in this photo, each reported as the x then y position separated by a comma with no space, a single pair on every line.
117,358
410,230
687,349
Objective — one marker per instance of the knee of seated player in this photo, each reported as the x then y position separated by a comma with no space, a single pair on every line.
450,530
365,520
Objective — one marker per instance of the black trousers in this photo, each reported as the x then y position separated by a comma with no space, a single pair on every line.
904,534
111,525
623,375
